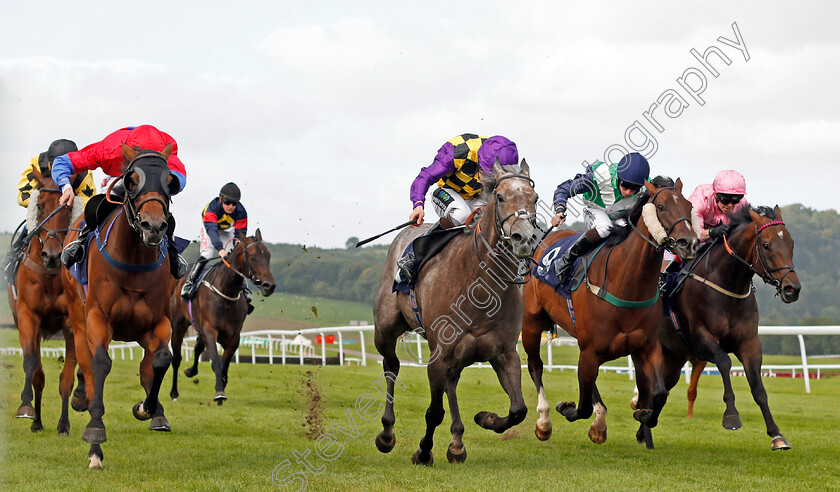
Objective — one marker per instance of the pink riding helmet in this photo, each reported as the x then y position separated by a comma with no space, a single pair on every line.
730,182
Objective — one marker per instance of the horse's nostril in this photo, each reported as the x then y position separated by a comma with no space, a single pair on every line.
145,225
516,237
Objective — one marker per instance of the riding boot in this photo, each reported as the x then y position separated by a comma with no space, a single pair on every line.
406,266
188,290
75,251
584,244
247,293
446,222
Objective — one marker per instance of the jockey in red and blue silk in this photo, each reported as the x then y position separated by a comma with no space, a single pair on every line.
107,155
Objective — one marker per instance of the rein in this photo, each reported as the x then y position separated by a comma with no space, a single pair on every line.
251,276
132,210
766,276
51,234
667,242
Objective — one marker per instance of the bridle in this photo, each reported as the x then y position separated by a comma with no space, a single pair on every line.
51,233
132,210
766,275
500,221
251,275
667,242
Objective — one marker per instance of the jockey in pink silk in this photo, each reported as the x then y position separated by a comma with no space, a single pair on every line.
714,202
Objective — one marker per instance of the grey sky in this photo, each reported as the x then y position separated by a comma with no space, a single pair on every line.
324,112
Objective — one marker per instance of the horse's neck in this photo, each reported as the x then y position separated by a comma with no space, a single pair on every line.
725,269
491,258
643,261
227,278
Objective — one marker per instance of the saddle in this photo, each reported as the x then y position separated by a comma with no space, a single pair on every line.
545,272
422,249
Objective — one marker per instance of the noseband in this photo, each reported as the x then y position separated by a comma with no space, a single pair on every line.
51,233
766,276
132,210
667,242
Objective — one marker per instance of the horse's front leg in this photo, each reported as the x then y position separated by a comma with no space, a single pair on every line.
509,372
531,337
750,355
710,350
65,382
197,351
598,429
230,350
98,337
457,452
179,328
27,325
156,362
437,372
652,393
588,364
210,337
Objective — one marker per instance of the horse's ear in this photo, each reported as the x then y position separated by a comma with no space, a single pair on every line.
167,151
650,187
258,235
128,152
36,172
497,168
526,170
778,212
678,184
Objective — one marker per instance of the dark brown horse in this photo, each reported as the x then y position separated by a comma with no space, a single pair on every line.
37,299
218,310
623,320
468,300
127,269
718,307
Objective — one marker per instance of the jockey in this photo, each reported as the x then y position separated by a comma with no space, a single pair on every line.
107,155
82,184
456,170
712,203
225,223
607,190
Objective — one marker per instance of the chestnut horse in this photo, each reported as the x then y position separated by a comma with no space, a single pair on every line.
125,300
623,321
39,306
468,307
218,310
718,307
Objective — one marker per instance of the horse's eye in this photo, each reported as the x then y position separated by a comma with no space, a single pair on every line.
500,198
660,207
766,246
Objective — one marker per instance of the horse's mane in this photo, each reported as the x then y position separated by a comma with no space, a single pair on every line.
742,216
619,234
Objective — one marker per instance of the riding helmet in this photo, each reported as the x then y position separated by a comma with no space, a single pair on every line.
497,147
633,168
730,183
60,147
230,192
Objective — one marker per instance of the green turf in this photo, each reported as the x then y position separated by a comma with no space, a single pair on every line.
237,446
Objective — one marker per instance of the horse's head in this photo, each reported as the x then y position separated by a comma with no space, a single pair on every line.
256,263
513,203
149,185
47,218
774,251
669,218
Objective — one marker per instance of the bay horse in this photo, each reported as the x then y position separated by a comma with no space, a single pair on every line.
218,310
37,299
124,299
468,308
718,307
623,321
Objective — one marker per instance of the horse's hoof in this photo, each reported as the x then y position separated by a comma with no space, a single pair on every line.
220,397
139,412
174,398
567,408
64,428
456,455
732,422
542,435
598,436
190,372
93,435
36,426
779,442
485,419
79,404
160,424
25,412
385,445
95,462
417,460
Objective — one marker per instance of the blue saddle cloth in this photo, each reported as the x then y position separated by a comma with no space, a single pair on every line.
544,269
79,271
